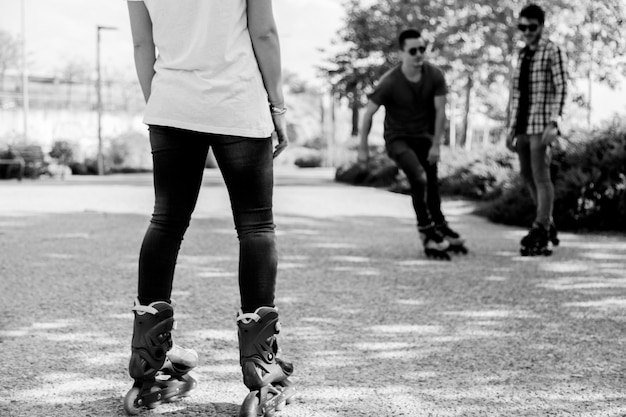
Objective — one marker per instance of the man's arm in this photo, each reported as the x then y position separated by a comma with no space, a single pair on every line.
559,78
144,50
440,119
440,124
366,127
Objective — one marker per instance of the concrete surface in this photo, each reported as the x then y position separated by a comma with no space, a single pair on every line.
372,326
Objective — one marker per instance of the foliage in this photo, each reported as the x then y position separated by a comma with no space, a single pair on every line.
474,41
9,51
89,166
590,185
485,177
589,173
127,153
312,159
63,151
481,174
9,56
380,171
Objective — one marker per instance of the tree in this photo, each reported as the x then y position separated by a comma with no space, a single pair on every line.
74,72
474,42
593,35
9,56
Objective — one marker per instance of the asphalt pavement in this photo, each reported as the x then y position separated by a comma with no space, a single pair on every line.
373,327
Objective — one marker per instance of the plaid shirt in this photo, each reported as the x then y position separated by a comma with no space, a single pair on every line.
547,90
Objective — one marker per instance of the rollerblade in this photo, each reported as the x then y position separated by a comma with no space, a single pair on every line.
264,373
536,242
457,243
553,235
158,366
435,246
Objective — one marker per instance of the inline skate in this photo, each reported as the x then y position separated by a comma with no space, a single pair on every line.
264,372
457,243
435,246
554,235
536,242
159,367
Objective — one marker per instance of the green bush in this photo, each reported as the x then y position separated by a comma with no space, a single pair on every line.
589,173
488,173
590,185
62,151
380,171
309,160
88,167
477,174
127,153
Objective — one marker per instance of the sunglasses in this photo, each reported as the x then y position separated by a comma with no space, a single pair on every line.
532,27
413,51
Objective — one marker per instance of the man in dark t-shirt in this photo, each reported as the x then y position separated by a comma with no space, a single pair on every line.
414,96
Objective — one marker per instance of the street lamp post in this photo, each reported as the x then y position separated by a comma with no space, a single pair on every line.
25,104
99,95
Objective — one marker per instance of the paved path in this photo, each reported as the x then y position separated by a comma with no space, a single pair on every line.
374,328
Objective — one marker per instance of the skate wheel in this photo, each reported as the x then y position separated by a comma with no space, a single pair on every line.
281,405
172,399
190,384
153,405
250,405
129,402
288,391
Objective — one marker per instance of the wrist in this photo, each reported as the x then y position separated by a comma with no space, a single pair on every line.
277,110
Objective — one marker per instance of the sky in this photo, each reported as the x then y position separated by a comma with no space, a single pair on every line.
61,31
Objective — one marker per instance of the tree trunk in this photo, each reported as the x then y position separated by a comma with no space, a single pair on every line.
333,126
355,104
468,102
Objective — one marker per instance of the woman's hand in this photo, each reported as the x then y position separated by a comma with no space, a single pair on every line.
280,126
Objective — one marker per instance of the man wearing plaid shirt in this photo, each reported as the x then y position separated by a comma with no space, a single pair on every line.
537,99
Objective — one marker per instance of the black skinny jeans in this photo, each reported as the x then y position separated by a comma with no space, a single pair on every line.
179,158
411,156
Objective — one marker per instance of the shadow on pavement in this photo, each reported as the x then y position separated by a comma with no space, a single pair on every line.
373,327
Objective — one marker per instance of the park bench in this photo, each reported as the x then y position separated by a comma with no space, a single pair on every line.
21,161
11,164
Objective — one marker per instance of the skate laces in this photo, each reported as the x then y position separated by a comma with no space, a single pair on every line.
247,318
143,309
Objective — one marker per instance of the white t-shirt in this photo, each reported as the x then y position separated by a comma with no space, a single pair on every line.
207,78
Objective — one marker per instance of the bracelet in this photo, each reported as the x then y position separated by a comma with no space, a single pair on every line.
277,111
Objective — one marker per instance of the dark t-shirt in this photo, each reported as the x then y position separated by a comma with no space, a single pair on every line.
409,106
524,89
